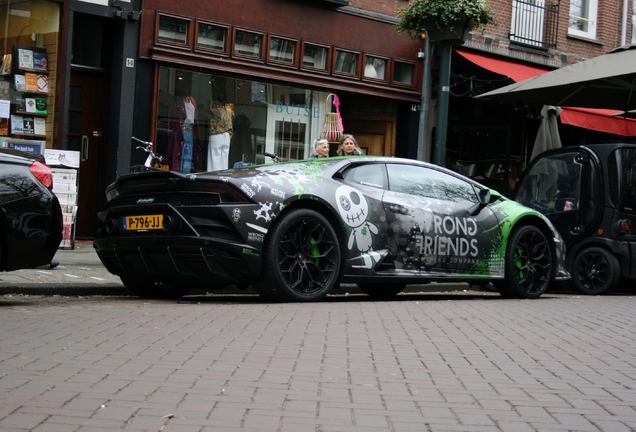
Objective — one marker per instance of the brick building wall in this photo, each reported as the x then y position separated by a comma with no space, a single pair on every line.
569,49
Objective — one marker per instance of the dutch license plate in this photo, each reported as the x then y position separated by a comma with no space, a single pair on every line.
143,223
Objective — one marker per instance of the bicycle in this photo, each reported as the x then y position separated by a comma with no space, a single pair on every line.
153,160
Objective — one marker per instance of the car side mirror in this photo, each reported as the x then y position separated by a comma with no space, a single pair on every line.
484,197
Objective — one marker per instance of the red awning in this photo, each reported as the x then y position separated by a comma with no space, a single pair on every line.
599,120
588,118
515,71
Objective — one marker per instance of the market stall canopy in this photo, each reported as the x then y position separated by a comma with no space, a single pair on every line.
607,81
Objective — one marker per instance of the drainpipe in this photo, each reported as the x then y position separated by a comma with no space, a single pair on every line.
624,26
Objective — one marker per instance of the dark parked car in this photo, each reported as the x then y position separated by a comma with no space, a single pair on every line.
589,195
294,230
30,214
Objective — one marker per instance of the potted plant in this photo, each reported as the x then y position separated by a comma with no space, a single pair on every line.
443,19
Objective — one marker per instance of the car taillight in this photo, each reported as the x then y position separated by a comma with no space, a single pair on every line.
43,173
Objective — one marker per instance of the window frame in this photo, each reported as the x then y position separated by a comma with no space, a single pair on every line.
399,83
328,58
592,19
226,42
358,56
187,45
387,68
263,42
294,62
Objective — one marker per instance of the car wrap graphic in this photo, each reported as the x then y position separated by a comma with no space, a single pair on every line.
229,226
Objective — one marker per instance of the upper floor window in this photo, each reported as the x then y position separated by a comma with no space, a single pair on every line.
346,62
211,37
315,56
583,18
403,73
375,68
282,50
248,44
173,30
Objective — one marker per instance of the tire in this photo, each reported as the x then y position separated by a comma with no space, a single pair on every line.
381,291
153,290
529,264
595,271
301,258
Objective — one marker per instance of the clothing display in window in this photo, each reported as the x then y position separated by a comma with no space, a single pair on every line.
184,148
220,127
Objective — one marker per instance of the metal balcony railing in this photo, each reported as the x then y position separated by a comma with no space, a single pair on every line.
535,23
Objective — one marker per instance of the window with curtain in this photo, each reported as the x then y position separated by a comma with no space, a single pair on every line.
375,68
582,20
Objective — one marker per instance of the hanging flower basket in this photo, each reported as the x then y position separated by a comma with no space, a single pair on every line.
456,31
444,19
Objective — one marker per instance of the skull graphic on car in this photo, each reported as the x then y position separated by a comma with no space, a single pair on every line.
354,209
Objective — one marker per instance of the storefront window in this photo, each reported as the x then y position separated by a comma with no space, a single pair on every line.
208,122
173,30
30,42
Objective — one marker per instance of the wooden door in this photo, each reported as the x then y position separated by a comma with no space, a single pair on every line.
84,135
375,137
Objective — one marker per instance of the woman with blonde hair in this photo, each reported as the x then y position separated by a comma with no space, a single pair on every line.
348,146
319,149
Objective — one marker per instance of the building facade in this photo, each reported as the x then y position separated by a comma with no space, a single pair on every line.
262,76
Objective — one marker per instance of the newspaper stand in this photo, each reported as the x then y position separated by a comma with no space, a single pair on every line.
65,167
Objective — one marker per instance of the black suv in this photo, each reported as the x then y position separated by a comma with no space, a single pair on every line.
589,195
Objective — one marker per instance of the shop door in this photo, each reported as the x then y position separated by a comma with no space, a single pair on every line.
375,137
84,135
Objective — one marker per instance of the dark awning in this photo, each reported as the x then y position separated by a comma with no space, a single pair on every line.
601,120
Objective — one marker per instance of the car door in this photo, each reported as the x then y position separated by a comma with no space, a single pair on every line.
436,222
563,186
359,203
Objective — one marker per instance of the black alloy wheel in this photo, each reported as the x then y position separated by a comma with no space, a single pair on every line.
595,271
301,258
529,264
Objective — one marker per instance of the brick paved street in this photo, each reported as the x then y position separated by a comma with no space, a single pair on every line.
425,362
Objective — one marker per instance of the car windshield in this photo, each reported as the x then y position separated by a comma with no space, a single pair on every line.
622,179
